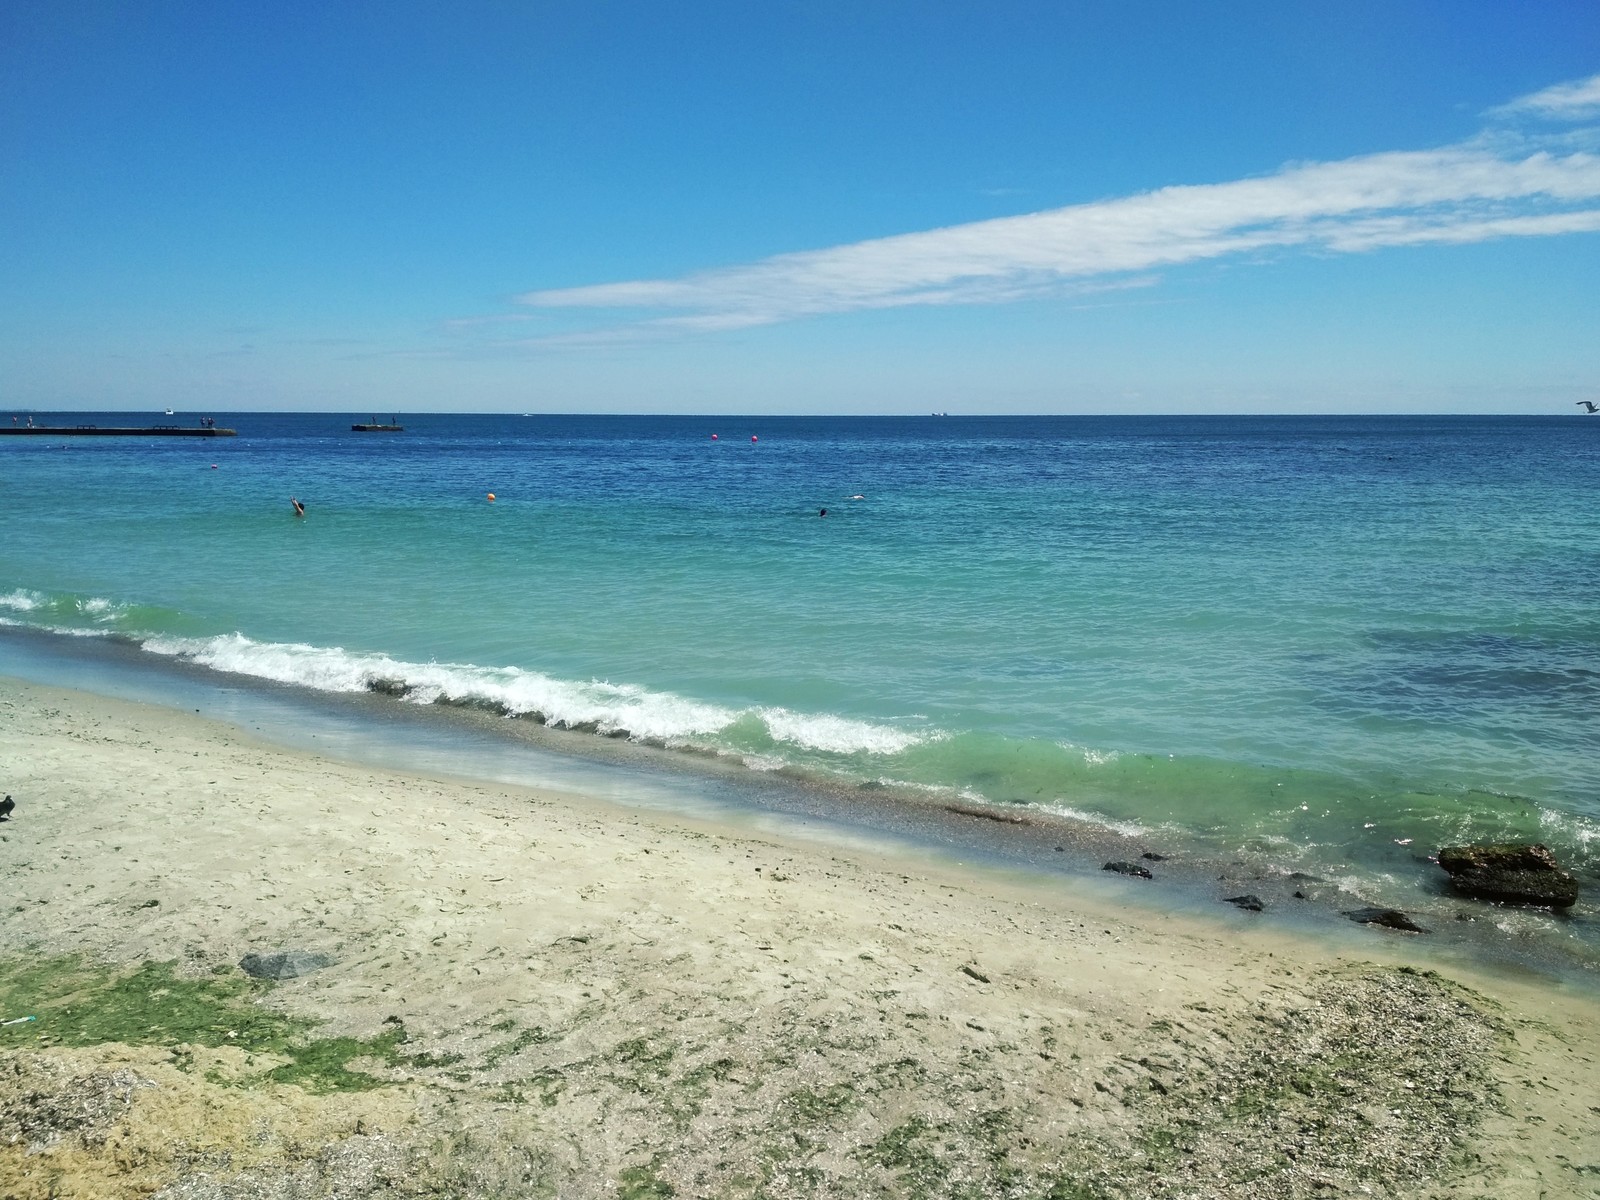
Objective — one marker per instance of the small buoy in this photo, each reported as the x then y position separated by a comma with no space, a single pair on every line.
754,438
213,466
491,497
713,437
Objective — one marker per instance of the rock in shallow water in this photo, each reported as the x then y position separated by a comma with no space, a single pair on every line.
285,964
1250,902
1389,918
1128,868
1510,872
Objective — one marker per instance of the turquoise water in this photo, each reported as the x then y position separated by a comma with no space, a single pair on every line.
1310,638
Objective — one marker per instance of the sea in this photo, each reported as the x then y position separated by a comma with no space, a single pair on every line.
1287,654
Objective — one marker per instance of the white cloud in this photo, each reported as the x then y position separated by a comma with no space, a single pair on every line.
1487,188
1575,100
731,319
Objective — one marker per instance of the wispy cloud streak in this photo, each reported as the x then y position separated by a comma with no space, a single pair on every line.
1498,185
1564,101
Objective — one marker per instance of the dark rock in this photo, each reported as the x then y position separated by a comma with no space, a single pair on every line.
1510,872
478,703
6,806
284,964
1249,901
1153,856
1389,918
1128,868
986,814
1301,875
389,687
1299,895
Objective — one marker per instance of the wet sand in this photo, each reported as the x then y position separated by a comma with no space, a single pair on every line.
599,1000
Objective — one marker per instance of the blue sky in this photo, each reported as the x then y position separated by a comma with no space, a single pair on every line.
1376,205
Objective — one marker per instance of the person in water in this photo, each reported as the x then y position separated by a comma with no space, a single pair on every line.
299,509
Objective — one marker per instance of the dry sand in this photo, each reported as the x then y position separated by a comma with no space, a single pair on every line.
597,1001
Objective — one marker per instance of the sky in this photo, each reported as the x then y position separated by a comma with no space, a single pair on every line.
881,206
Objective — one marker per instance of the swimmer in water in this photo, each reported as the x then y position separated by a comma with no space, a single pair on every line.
822,512
299,509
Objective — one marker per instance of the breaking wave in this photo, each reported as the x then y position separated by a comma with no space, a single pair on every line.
594,706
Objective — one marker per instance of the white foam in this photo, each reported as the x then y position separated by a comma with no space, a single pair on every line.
61,630
1125,828
607,707
325,669
1091,757
837,735
1358,885
610,708
762,762
25,600
21,600
1582,831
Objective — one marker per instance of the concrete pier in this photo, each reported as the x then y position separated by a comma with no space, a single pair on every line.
117,431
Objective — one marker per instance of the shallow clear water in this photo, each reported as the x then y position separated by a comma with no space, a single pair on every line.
1310,637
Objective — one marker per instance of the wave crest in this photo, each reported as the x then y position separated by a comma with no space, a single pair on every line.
597,706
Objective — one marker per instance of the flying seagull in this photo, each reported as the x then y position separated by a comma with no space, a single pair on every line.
1590,405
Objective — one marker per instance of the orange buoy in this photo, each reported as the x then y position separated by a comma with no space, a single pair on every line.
491,497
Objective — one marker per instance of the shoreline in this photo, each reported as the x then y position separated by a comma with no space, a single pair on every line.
607,1000
474,744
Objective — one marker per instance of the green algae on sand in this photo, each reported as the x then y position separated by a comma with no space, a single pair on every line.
150,1004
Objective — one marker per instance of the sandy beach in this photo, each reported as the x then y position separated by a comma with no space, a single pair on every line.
538,994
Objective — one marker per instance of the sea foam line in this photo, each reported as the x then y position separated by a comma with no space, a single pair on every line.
616,710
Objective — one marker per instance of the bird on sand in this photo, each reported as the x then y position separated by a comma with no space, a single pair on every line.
6,806
1590,405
